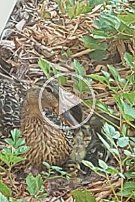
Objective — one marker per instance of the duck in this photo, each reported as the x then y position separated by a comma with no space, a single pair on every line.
23,106
19,108
46,142
12,93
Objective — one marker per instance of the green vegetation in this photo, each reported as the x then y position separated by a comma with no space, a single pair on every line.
115,22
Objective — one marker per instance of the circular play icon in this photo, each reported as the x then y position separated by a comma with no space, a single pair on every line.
69,100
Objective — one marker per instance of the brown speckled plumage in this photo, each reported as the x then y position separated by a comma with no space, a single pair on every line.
12,94
19,108
46,142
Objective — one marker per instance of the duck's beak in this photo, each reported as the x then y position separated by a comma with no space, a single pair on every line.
69,118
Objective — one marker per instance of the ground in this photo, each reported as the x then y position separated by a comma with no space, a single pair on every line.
40,30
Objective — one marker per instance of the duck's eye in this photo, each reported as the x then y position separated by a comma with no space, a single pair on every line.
49,89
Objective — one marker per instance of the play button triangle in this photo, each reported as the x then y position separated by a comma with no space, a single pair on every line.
67,100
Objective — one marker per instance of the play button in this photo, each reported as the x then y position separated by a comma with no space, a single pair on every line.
67,100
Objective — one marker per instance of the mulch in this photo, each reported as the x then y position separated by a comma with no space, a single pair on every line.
30,34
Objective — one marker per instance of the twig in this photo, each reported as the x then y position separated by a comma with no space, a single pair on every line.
84,52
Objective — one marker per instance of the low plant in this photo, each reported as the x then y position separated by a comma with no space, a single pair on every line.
53,172
35,187
118,139
10,156
122,148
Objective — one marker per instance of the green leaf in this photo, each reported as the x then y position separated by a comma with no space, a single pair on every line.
22,150
62,80
111,131
45,67
81,86
132,141
15,134
94,44
102,164
104,142
115,74
3,198
5,190
79,69
88,103
112,26
108,22
83,195
114,151
111,170
124,129
128,18
74,9
19,142
107,76
98,54
34,184
89,165
16,140
130,175
95,3
10,159
128,110
123,141
127,153
9,141
131,79
100,34
42,196
125,31
56,168
128,59
130,97
97,77
128,190
103,107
